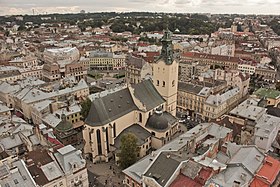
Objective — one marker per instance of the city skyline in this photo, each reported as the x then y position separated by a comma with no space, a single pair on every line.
17,7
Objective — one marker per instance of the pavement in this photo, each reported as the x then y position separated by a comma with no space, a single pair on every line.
105,174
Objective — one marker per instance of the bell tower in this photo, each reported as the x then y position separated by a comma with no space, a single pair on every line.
165,73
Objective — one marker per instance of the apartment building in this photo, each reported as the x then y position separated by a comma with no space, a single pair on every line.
188,70
191,99
212,60
219,104
61,55
137,70
24,62
101,60
64,167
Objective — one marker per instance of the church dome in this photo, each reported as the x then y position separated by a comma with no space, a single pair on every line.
157,121
64,125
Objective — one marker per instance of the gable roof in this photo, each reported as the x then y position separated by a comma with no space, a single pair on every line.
148,94
67,156
106,109
268,173
112,106
163,168
140,133
247,155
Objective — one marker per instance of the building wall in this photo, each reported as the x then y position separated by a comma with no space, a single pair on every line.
247,68
191,69
135,75
268,74
38,73
212,62
24,62
165,80
80,175
104,63
190,102
26,108
233,79
213,111
53,57
129,182
77,70
265,142
90,136
149,182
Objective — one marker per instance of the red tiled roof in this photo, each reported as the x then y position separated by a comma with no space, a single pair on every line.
56,142
152,54
183,181
267,174
210,56
203,175
244,33
141,44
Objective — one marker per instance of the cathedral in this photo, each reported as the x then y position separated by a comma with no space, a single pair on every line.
146,109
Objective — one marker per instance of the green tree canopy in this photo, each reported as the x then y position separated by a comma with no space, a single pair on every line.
129,150
86,104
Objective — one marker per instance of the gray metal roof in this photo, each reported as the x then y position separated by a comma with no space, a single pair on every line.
231,175
188,87
248,110
106,109
219,99
18,176
250,157
141,134
161,122
11,141
67,156
148,94
51,171
163,168
112,106
191,169
135,61
136,170
267,125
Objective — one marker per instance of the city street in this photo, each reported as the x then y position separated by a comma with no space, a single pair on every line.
105,174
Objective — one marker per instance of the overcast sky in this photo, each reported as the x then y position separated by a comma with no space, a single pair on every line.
9,7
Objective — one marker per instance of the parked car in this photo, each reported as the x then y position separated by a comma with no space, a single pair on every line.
182,120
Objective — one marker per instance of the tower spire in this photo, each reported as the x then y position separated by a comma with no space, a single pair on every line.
167,48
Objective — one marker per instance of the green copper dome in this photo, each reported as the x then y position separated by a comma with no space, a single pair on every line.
64,125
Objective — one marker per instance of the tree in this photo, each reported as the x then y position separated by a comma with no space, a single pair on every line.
129,150
86,104
277,86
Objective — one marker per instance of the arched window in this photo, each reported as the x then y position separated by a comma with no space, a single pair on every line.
157,82
107,140
98,137
114,130
140,117
163,83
